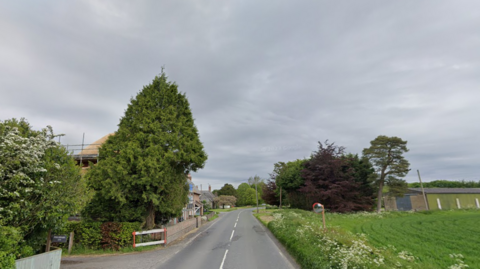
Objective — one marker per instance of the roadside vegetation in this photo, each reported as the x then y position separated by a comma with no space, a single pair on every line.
84,251
431,239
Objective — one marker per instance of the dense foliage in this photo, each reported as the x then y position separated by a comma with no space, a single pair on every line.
341,183
386,155
224,200
141,173
40,186
100,235
227,189
446,184
270,195
246,195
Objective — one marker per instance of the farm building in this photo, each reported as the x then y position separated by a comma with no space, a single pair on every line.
437,198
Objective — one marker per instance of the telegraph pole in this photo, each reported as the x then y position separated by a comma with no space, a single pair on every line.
423,191
256,192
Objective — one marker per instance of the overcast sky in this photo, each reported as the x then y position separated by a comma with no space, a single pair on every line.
266,80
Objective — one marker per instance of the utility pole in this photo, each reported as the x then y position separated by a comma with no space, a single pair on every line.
280,206
423,191
256,192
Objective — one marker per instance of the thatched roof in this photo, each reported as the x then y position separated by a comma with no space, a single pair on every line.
92,149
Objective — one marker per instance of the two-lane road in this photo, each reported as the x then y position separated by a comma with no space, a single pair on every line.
236,240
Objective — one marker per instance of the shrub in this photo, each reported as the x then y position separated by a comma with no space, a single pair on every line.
10,247
125,235
96,235
110,235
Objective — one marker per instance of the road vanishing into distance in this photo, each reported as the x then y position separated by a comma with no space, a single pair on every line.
234,240
237,240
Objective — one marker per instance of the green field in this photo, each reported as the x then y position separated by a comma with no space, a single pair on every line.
431,239
429,236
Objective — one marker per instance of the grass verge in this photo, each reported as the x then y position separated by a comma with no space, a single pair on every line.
387,240
82,251
214,217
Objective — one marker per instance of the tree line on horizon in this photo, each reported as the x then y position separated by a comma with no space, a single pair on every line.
244,195
342,182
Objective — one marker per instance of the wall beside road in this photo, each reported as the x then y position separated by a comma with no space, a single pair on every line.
178,230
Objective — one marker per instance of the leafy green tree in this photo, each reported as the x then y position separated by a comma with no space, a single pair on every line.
363,173
224,200
143,167
386,155
246,195
40,184
227,189
242,194
289,175
250,197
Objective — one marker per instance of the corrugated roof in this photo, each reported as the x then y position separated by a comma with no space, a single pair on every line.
447,190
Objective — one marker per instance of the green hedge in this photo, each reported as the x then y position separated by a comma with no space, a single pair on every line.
97,235
12,247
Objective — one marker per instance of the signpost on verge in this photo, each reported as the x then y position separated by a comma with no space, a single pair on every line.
319,208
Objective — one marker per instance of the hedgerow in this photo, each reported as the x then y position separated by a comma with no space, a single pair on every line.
98,235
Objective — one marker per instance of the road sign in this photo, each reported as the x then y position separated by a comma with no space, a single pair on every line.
59,239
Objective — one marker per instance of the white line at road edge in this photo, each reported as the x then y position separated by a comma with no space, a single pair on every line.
224,256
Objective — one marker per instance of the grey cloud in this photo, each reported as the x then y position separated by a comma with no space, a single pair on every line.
266,81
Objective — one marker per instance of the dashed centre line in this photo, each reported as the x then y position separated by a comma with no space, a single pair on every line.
223,261
231,236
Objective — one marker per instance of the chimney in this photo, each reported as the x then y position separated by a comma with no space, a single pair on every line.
209,188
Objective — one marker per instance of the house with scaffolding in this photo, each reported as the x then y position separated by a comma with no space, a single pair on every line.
85,153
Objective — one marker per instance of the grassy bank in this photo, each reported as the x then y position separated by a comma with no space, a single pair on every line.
439,239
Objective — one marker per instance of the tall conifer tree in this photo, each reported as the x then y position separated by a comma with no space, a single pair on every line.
143,166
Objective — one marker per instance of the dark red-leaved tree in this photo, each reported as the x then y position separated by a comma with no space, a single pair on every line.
330,180
269,194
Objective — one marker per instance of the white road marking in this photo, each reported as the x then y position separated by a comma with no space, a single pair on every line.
224,256
235,226
232,235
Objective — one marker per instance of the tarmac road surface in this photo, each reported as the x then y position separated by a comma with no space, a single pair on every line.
237,240
234,240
